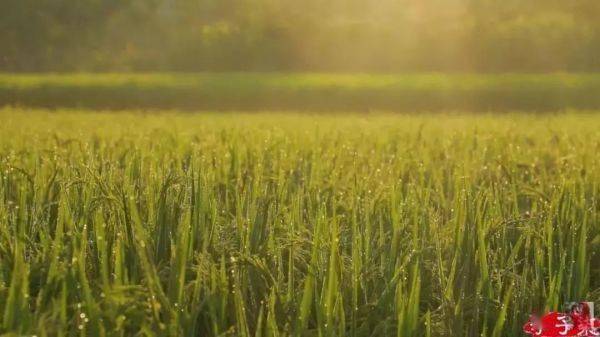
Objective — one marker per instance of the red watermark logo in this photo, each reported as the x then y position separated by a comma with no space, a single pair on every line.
579,320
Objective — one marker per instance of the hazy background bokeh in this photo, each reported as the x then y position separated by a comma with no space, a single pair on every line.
307,35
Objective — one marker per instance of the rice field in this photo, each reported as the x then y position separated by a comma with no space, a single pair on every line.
285,224
338,92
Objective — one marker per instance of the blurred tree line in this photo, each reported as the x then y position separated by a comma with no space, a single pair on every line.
300,35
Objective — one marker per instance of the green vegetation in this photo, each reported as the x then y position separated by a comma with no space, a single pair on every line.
314,92
236,224
305,35
301,202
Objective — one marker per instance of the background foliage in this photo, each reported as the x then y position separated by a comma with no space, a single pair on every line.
334,35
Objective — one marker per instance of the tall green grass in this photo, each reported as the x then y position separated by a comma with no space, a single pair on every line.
313,92
294,225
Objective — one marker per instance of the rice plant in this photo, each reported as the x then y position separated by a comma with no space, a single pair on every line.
132,224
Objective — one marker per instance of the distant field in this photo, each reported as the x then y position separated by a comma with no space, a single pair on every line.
315,92
282,224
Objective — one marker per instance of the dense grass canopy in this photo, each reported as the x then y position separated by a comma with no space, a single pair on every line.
278,225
